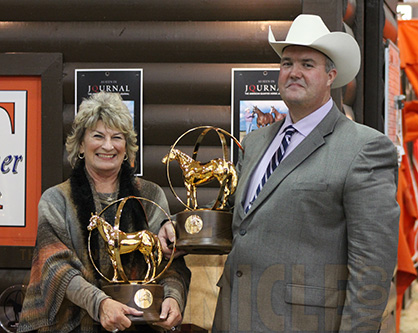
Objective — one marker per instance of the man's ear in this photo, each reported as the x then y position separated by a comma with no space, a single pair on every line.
332,74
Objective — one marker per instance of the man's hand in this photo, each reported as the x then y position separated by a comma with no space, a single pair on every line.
167,236
113,315
170,314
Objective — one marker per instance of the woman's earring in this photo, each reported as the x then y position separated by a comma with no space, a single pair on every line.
126,157
80,156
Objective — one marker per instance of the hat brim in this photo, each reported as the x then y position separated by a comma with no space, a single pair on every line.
340,47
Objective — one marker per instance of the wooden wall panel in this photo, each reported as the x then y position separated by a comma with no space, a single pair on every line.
130,41
149,10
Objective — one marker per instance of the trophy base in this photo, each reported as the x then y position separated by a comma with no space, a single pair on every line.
143,297
204,231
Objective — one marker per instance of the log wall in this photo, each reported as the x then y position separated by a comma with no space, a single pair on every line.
186,48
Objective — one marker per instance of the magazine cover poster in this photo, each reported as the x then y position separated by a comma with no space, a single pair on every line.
256,100
126,82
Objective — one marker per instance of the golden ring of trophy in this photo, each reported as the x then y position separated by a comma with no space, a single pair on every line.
145,295
204,230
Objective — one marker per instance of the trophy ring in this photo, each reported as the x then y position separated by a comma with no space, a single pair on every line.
145,295
204,230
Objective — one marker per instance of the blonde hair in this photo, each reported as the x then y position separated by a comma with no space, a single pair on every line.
109,108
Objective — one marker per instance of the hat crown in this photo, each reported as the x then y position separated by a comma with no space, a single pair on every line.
306,29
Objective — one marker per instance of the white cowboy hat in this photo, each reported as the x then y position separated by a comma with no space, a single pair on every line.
340,47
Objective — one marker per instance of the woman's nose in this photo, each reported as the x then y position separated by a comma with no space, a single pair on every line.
107,144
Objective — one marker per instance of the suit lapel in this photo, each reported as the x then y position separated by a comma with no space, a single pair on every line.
309,145
259,147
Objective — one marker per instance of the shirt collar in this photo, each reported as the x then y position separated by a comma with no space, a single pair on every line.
308,123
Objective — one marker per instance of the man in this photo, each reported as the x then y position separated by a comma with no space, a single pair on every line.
314,238
314,248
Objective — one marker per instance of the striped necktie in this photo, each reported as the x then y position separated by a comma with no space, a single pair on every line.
274,162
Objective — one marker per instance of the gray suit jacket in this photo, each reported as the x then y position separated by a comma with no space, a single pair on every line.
318,248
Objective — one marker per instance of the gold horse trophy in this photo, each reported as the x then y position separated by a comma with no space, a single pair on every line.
145,295
204,230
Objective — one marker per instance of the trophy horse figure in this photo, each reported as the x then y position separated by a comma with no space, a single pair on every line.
145,241
196,173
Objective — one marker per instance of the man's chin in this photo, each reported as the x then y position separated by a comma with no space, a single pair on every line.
293,98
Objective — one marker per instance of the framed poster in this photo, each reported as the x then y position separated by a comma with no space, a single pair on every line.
31,161
20,128
256,100
126,82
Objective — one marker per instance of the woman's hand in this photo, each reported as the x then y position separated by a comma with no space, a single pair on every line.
170,314
167,237
113,315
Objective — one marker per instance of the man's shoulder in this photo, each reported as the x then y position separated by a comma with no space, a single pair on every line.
363,131
358,135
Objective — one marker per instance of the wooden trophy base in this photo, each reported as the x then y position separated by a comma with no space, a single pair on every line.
204,231
143,297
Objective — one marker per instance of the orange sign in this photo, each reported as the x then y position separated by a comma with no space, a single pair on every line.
20,159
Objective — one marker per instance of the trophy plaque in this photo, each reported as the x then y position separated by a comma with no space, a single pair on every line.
204,230
144,295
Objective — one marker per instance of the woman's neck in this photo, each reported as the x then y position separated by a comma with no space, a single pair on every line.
104,183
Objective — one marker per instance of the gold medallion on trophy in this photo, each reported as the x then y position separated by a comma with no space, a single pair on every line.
204,230
145,295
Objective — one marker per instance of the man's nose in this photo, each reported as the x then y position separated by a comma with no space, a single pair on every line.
296,71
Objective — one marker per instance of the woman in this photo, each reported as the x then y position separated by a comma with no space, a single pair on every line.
64,292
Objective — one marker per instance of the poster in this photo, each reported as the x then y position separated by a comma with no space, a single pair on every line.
126,82
20,159
256,100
